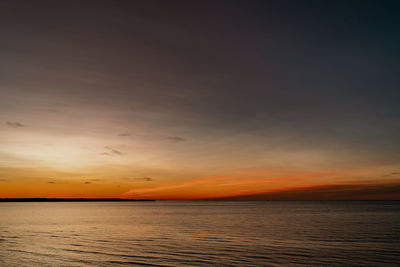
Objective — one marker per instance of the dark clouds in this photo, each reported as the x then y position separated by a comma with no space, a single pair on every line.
390,191
313,73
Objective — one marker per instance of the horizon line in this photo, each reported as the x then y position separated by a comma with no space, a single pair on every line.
38,199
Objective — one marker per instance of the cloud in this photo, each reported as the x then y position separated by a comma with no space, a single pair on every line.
148,179
88,182
51,110
113,151
391,174
124,134
14,124
225,180
176,138
105,154
51,182
356,191
3,180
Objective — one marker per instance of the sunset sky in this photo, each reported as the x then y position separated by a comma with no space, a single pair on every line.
200,99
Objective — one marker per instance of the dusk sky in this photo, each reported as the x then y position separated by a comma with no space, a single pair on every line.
200,99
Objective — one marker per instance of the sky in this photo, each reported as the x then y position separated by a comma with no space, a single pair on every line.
200,99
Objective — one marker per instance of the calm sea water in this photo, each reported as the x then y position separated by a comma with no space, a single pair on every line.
169,233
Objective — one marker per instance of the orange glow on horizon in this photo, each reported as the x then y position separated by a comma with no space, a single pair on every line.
240,182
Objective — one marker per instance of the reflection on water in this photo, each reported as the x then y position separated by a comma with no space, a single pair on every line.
169,233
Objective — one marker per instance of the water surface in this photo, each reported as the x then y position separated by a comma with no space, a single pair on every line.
174,233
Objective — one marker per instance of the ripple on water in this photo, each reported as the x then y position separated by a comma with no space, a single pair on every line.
168,234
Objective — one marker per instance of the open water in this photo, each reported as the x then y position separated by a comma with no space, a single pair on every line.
202,233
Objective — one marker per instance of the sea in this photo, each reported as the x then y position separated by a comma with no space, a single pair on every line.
200,233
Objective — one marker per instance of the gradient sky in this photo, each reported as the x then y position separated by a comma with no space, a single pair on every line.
200,99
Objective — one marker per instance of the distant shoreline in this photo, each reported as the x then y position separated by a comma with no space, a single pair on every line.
196,200
71,200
